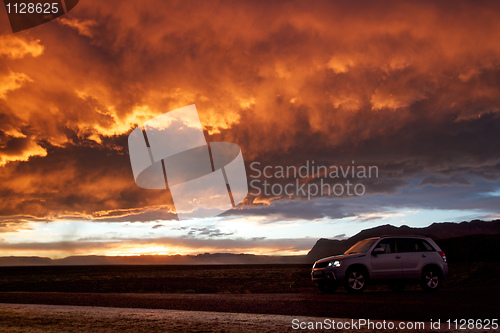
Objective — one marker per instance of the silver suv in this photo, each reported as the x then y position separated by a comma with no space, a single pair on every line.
394,260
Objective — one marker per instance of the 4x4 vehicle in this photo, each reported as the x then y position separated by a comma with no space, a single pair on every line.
394,260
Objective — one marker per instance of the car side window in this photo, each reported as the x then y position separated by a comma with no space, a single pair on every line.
407,245
426,246
388,245
413,245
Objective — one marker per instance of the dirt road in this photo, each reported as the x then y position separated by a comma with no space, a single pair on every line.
409,305
63,318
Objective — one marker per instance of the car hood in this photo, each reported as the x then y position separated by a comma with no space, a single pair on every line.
342,257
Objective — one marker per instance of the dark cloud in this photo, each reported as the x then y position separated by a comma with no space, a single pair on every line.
207,232
412,88
235,245
282,210
433,180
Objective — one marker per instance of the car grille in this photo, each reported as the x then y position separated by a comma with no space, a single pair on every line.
318,274
321,264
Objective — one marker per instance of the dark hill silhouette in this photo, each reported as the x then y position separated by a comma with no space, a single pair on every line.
200,259
25,261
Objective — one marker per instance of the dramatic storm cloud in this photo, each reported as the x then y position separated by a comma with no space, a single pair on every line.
412,88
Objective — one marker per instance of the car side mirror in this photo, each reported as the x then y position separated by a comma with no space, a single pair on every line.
378,250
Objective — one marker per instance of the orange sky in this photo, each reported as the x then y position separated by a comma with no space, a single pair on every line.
411,87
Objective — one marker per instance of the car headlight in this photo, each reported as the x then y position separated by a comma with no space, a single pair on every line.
335,263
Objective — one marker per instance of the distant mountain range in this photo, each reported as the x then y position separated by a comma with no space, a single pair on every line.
200,259
467,241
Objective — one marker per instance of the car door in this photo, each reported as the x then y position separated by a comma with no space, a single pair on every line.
386,265
413,252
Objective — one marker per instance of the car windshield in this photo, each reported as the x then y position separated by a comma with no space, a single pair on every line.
361,246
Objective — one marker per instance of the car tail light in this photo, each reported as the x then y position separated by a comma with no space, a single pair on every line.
443,256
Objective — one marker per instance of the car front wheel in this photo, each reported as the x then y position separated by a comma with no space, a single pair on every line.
431,279
356,280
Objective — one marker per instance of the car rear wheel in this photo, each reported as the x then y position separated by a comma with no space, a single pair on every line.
431,279
356,280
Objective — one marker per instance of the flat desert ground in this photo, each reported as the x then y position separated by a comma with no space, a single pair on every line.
231,298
